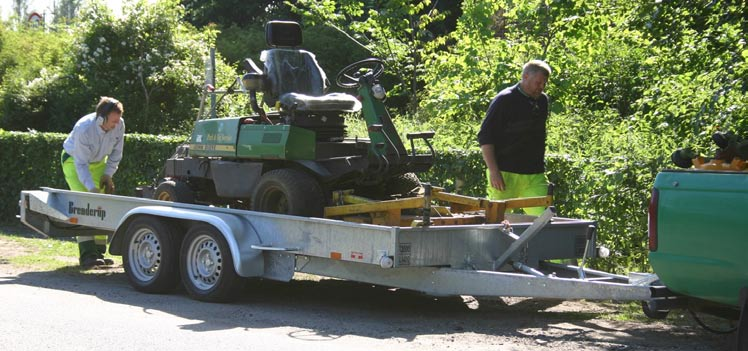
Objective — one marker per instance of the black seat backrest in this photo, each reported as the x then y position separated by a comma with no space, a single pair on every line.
289,69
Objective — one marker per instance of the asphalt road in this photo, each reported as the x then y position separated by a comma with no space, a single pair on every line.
67,310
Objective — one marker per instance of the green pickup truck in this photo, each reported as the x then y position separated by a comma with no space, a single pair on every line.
698,239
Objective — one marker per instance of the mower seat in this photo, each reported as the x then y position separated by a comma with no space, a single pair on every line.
296,80
330,102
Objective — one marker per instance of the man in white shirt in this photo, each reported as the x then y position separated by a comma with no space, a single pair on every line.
90,157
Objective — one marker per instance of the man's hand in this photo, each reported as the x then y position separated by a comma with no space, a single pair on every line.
497,181
107,184
494,174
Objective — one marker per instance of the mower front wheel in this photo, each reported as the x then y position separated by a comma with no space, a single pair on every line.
174,191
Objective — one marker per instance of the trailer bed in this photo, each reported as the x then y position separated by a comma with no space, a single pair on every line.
503,259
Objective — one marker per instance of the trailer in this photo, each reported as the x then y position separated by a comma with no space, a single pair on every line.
213,250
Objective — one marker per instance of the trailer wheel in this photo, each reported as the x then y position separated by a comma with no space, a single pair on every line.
174,191
288,191
207,266
150,258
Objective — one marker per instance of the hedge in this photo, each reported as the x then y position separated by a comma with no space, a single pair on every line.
612,192
32,160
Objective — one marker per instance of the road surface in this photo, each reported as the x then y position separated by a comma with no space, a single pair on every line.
66,309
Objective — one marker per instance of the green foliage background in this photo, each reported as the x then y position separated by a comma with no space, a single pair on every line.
150,59
632,81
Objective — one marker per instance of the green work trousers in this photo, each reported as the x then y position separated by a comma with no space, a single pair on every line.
88,246
520,185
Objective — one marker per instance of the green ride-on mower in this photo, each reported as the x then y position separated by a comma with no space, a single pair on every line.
289,159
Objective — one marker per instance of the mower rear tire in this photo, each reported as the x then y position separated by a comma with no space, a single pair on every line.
288,191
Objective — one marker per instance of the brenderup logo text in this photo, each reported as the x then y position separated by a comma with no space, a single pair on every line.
86,211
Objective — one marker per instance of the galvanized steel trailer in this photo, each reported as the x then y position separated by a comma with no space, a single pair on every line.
212,249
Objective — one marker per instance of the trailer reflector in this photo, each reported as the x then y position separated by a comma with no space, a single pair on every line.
73,220
336,255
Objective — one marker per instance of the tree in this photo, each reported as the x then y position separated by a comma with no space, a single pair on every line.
226,13
631,82
30,58
396,31
66,10
148,59
20,7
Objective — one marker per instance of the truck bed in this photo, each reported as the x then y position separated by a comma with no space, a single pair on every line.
701,233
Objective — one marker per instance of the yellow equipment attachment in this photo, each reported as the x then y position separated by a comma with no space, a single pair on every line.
455,209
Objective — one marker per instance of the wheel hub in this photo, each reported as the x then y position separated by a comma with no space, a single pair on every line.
145,255
164,197
205,263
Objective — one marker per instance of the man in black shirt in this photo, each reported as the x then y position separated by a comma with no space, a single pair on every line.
512,138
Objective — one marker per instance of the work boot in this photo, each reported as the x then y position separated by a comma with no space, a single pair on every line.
91,261
100,251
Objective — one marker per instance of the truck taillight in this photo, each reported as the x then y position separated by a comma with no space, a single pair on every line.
653,219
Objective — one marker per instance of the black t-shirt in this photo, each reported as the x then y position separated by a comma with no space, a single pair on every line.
515,125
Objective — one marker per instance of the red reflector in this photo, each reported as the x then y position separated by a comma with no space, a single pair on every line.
653,219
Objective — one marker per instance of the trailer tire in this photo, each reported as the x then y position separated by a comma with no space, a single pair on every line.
207,265
174,191
288,191
150,256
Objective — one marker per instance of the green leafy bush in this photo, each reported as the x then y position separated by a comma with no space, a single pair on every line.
31,61
149,59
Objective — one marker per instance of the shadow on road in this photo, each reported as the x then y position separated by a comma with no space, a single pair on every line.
328,309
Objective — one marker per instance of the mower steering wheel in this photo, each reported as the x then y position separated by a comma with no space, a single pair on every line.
349,76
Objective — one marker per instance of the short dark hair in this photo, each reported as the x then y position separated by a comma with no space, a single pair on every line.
108,104
536,66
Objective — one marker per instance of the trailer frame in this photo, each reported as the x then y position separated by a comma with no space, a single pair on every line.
214,248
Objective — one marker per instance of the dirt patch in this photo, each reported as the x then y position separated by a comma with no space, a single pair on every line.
9,248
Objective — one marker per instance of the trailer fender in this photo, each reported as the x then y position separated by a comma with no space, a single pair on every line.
238,232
